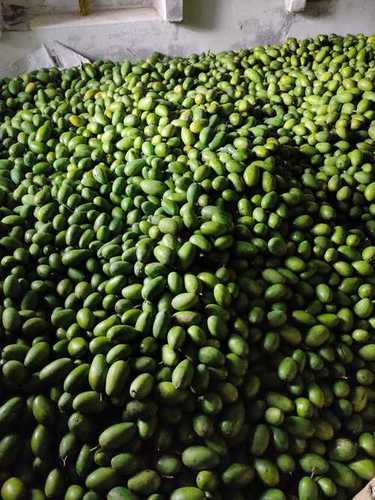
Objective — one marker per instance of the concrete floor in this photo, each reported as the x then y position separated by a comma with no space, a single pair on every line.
208,25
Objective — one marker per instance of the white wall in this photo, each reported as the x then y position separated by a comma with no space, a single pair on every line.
208,24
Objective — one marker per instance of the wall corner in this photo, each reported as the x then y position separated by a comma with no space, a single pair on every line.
295,5
169,10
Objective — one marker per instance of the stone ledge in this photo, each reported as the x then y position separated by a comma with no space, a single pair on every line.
26,19
115,16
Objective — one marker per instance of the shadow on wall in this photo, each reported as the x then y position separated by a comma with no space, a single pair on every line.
319,8
201,14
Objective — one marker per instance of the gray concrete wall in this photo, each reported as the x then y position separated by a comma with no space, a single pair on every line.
208,25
